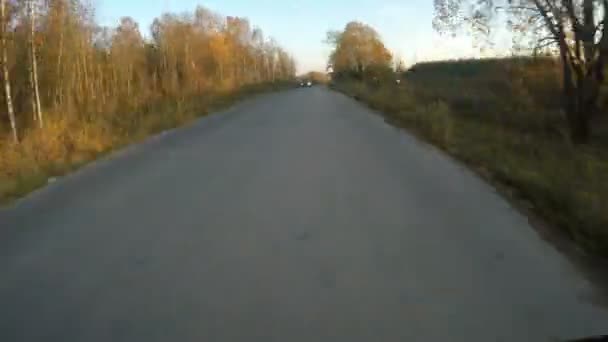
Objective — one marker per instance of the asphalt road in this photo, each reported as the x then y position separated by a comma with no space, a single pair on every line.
296,216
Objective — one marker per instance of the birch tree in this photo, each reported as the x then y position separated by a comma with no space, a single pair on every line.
5,73
34,65
88,75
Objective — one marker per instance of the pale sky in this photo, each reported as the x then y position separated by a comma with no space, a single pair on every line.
300,26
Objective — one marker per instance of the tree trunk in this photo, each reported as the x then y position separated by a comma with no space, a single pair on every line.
129,71
255,69
246,75
102,91
579,130
36,93
7,84
30,72
59,90
85,69
574,99
273,69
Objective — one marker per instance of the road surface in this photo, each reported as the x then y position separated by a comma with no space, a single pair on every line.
292,217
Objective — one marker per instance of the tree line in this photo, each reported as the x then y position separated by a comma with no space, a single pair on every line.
574,30
57,61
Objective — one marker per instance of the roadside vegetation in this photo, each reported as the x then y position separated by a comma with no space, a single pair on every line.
73,90
506,119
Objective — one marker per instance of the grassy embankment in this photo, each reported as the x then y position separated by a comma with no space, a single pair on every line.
503,118
64,144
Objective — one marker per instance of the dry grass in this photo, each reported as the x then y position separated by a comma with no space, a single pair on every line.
68,143
503,118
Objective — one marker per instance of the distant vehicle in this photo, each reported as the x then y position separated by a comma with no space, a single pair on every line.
306,84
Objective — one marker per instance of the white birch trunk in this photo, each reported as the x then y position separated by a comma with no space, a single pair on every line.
35,65
7,84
